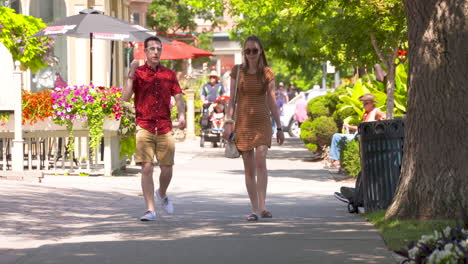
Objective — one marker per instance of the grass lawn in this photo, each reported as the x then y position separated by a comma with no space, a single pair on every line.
398,233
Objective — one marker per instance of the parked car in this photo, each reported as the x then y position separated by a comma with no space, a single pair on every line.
287,116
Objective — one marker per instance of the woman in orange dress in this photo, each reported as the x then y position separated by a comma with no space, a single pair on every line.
255,103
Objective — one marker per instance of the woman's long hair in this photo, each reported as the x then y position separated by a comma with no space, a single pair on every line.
262,61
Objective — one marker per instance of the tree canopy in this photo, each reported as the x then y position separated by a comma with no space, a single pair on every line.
172,16
340,31
306,33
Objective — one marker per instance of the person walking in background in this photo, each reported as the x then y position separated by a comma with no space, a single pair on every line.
282,92
153,86
300,114
212,90
291,91
371,113
279,104
255,103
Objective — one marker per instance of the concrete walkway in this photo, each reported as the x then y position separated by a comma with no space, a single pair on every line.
70,219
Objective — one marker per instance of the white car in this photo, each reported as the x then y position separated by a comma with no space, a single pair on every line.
287,116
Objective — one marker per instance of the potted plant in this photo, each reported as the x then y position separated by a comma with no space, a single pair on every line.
88,104
127,130
36,110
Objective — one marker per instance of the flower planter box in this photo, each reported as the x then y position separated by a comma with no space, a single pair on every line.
47,125
111,124
47,129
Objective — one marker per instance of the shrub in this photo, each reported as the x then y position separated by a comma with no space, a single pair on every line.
127,130
318,132
447,246
323,105
317,107
15,32
350,157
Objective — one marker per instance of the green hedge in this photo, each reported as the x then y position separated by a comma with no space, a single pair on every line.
350,157
318,133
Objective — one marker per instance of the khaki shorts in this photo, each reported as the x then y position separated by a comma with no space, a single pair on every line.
148,145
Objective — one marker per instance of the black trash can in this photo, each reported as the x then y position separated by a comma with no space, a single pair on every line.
381,147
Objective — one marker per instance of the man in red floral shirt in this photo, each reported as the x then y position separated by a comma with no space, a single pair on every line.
153,86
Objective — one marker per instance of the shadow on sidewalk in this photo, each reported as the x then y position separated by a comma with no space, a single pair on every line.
61,225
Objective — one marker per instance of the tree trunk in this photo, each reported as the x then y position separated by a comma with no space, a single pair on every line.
390,90
389,62
434,175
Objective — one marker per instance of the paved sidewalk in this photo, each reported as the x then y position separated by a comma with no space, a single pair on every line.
70,219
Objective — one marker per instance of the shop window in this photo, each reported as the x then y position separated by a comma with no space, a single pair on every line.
50,11
13,4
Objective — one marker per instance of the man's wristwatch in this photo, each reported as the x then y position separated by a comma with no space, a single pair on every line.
279,129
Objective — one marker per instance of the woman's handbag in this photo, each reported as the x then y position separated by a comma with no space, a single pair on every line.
230,149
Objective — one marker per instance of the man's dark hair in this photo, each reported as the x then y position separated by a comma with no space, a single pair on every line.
150,39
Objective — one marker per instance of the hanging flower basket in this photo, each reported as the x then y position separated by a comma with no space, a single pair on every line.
98,107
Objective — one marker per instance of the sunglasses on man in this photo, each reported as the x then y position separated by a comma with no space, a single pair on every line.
153,49
253,51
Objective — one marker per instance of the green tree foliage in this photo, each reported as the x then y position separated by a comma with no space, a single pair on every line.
289,36
347,32
180,15
15,29
350,108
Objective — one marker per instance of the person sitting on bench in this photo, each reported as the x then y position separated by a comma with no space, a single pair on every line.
372,113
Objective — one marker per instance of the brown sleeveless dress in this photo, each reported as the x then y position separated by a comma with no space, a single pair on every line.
253,124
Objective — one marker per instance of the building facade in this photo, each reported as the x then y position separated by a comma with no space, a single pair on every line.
72,59
227,52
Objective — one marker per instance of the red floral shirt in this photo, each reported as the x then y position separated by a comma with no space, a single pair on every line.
153,91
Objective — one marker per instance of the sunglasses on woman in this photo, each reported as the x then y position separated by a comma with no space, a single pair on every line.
253,51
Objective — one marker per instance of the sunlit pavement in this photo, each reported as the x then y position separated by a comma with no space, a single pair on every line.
68,219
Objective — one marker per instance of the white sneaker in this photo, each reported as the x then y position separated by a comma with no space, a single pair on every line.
149,216
165,203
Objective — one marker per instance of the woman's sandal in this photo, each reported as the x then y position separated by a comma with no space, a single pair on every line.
252,218
266,214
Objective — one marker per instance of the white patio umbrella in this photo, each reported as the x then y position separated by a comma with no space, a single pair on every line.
93,24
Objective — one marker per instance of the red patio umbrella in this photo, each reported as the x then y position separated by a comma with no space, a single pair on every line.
176,50
179,50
